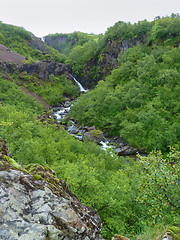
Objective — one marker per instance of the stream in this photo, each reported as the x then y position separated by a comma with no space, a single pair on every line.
116,143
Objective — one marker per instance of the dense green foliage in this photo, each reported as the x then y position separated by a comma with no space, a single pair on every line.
127,203
78,47
82,49
69,41
53,90
140,99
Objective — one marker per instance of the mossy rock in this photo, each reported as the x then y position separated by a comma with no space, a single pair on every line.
174,232
96,133
93,135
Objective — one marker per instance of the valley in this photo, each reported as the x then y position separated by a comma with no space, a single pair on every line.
66,99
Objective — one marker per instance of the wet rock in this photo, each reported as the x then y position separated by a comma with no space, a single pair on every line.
35,204
93,135
89,128
126,151
75,132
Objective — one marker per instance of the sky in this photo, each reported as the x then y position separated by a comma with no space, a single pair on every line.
42,17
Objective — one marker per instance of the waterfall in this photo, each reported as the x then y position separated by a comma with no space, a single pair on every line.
80,86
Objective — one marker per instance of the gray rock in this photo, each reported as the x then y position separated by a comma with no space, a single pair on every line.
93,135
35,204
44,69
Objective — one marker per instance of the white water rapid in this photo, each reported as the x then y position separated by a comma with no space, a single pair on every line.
80,86
117,144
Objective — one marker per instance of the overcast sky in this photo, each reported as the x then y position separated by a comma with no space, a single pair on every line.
42,17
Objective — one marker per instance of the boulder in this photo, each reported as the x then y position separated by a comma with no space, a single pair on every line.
93,135
126,150
35,204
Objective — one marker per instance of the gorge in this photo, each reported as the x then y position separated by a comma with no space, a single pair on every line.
133,75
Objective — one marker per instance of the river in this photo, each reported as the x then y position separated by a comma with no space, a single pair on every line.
116,143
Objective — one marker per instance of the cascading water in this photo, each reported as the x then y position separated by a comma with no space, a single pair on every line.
73,128
80,86
61,112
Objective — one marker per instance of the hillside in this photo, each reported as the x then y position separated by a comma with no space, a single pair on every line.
93,57
9,56
134,70
138,98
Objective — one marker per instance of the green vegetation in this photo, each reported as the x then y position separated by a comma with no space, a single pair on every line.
91,56
69,41
139,100
127,203
53,90
19,40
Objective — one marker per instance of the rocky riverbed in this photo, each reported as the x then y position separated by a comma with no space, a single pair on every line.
81,133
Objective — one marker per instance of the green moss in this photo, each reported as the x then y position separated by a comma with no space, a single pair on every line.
1,163
175,232
96,132
32,167
14,163
37,171
37,177
56,180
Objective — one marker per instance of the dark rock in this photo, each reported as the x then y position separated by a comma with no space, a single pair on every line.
126,151
4,151
89,128
44,69
75,131
57,41
37,43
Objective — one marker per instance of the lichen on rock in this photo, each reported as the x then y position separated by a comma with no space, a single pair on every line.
35,204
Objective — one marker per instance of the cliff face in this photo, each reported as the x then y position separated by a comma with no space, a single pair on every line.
40,68
44,69
35,204
37,43
56,42
106,62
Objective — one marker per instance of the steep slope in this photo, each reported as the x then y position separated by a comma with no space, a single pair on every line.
35,204
6,55
25,43
139,100
96,58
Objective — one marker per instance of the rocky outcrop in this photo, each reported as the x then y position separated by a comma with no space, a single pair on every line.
44,69
35,204
93,135
37,43
56,41
40,68
123,148
105,62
